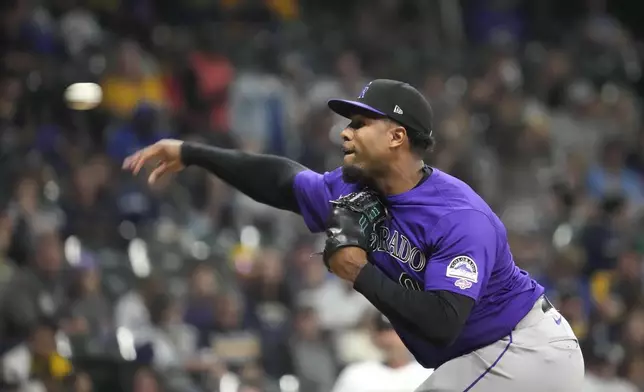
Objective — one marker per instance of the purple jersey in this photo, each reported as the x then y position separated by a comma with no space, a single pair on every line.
440,235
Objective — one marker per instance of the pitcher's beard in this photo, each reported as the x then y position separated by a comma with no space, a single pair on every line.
352,174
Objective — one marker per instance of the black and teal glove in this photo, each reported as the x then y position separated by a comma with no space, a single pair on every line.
353,219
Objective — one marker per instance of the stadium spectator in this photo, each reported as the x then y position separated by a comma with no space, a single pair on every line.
396,370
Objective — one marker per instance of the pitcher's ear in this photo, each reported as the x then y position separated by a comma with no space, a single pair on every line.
397,135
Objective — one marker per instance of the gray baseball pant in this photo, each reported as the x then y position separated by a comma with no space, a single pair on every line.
541,354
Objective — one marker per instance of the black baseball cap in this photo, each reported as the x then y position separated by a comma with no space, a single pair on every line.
392,99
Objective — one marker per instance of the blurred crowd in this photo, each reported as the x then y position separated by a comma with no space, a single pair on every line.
108,284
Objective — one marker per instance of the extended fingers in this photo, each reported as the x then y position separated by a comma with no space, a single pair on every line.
129,161
136,161
158,172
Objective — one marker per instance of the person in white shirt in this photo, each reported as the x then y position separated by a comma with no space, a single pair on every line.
397,372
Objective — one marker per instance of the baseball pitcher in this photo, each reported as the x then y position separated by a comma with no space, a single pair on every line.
419,244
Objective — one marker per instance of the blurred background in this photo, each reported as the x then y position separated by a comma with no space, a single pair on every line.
109,285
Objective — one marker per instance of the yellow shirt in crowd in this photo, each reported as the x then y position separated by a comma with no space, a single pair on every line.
121,96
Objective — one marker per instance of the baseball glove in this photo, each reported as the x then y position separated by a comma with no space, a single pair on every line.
353,219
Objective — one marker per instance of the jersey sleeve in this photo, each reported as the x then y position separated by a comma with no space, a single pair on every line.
464,253
313,192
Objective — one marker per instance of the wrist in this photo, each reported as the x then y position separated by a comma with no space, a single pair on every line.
347,262
188,153
356,267
363,281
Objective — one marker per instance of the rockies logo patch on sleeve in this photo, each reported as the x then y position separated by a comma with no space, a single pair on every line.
463,267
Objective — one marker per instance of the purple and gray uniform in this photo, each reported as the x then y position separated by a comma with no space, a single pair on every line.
440,267
441,235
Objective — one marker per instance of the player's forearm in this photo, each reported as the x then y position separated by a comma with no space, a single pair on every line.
437,316
267,179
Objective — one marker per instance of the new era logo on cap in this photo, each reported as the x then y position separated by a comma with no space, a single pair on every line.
398,110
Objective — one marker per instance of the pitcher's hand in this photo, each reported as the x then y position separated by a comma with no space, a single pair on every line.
167,154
